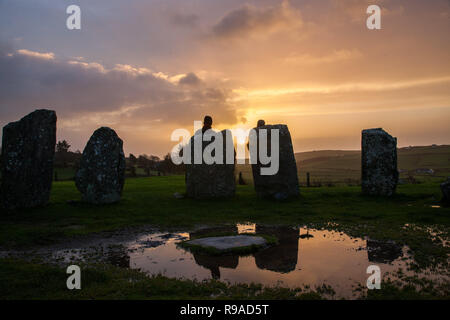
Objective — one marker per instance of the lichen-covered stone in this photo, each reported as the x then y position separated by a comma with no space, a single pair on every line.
28,150
284,184
445,188
101,175
204,181
378,163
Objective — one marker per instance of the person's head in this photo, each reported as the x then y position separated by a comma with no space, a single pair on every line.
207,121
261,123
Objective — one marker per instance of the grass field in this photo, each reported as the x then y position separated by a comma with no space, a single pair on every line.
33,281
150,201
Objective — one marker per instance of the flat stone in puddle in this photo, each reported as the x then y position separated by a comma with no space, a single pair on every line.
229,242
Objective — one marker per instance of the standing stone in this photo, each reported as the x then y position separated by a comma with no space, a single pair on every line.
28,150
205,181
445,188
283,184
101,175
379,162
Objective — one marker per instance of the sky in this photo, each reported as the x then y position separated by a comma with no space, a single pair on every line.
148,67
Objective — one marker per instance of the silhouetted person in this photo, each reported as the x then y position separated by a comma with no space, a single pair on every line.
207,123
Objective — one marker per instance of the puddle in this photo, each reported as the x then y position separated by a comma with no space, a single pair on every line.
301,257
322,257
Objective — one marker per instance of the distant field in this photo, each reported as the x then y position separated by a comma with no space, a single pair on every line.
344,167
330,167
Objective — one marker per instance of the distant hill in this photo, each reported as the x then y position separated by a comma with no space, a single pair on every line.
321,154
409,158
335,166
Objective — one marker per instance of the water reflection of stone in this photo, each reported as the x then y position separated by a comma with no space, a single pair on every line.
383,251
214,262
283,256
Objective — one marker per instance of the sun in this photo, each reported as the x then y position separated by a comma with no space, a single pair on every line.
240,135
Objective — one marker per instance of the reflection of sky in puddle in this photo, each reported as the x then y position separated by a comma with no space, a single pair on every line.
302,257
328,257
246,228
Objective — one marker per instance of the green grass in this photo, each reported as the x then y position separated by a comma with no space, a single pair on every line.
28,281
150,201
407,288
25,280
64,173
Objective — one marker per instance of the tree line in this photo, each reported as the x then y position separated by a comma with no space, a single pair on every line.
141,165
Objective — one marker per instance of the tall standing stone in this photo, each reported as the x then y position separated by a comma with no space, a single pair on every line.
101,175
204,181
284,184
379,163
28,150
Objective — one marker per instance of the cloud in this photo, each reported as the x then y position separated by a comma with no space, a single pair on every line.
248,20
74,88
45,56
190,79
343,88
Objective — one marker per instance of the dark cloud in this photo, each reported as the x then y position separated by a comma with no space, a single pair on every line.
190,79
238,20
31,80
247,19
